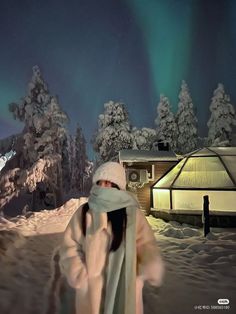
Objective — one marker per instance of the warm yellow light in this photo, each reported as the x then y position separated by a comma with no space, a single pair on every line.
161,198
167,180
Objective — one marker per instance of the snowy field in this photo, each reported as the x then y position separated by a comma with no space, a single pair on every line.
199,270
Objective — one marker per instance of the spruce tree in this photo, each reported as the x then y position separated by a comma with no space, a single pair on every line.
186,122
66,162
143,138
222,118
36,165
80,161
114,131
165,121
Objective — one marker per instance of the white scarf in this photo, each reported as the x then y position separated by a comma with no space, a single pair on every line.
122,262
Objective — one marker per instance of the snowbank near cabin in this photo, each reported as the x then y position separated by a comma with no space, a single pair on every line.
199,270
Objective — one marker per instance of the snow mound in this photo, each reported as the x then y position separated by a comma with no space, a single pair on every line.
169,231
173,228
190,232
6,224
156,223
229,236
10,239
232,257
211,236
45,221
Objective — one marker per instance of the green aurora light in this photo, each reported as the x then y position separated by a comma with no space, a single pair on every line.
166,30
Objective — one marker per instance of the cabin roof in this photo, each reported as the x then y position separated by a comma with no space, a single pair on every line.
135,155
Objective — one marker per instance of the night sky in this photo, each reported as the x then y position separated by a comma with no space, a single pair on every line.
93,51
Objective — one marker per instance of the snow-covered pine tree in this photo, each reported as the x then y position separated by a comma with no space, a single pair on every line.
71,155
165,121
43,118
222,118
144,138
89,170
8,144
186,122
66,162
39,148
114,131
79,162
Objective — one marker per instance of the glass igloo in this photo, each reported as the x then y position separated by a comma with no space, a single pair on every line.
208,171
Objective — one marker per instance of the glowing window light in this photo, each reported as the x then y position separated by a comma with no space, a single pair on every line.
167,180
161,198
202,173
193,200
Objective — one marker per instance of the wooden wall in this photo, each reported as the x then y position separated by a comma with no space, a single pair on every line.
144,193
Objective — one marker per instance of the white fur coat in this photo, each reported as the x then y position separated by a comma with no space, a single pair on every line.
83,260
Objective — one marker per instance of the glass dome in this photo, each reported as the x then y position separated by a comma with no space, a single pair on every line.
208,171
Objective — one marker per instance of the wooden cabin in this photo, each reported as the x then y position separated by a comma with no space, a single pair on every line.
143,169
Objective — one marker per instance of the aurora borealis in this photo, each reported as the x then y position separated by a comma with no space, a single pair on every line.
93,51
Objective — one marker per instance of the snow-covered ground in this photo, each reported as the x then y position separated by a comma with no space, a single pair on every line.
2,162
199,270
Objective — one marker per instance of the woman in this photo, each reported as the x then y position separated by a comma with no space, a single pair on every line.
109,250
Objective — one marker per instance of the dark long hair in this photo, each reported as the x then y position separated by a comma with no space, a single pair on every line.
118,219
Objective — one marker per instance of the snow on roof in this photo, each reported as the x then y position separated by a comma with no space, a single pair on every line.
131,155
213,151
